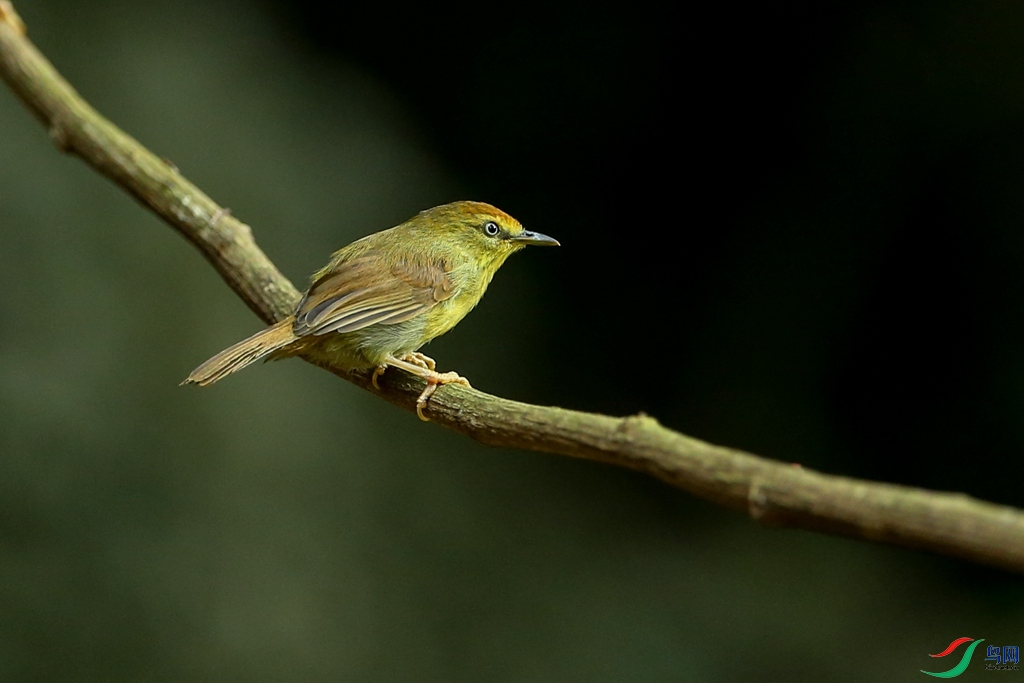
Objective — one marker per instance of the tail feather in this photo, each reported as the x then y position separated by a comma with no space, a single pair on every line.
244,353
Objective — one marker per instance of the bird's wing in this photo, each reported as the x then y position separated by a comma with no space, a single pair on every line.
363,291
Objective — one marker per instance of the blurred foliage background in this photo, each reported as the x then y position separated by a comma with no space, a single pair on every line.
792,228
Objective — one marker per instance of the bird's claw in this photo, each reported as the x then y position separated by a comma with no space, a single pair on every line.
434,380
421,366
377,372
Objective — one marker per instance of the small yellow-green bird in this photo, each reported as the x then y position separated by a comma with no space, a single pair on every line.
384,296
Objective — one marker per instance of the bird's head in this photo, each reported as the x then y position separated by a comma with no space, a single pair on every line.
485,233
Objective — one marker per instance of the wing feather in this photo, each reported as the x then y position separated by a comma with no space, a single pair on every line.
366,290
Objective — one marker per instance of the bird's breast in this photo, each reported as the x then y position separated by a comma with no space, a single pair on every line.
447,314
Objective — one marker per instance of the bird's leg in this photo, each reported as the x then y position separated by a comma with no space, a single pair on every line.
434,379
415,357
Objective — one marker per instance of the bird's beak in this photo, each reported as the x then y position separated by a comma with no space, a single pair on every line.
535,239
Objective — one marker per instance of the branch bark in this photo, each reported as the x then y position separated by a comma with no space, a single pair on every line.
771,492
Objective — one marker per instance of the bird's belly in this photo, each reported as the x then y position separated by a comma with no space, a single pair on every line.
368,347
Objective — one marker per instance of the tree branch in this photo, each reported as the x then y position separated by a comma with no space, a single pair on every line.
773,493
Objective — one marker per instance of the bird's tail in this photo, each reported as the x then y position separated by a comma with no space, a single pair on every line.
244,353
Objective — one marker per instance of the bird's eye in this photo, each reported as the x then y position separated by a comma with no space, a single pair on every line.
491,229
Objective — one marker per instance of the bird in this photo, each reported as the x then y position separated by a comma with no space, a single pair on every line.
381,298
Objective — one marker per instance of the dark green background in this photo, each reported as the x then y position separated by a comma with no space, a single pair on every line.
787,228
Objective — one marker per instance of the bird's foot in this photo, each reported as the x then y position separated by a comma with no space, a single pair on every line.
421,366
377,372
435,380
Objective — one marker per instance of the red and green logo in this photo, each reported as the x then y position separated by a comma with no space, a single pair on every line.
1002,658
964,661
